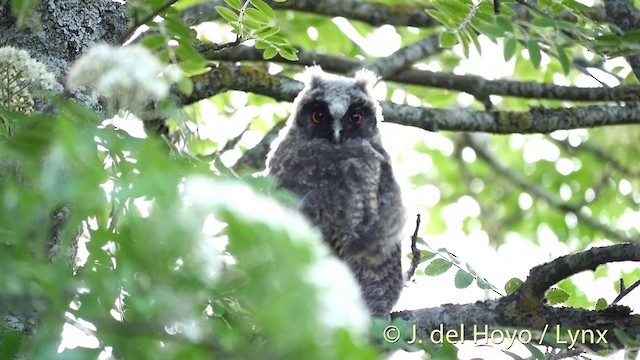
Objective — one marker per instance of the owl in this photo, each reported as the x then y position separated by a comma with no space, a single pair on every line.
331,156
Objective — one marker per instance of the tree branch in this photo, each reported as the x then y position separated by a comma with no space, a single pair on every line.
227,76
375,14
405,57
464,83
541,193
523,309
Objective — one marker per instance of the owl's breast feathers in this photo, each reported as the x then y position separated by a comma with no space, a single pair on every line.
345,190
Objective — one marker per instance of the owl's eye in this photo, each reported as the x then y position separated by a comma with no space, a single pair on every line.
317,116
356,118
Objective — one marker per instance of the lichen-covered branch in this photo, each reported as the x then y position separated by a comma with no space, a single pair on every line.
475,85
474,322
542,277
228,76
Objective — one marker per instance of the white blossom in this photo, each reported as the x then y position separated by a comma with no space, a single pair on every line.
20,77
339,302
127,77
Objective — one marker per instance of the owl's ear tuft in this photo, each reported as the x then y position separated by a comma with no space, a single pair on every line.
365,78
313,75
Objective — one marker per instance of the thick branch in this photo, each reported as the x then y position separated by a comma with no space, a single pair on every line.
471,84
542,277
537,120
518,312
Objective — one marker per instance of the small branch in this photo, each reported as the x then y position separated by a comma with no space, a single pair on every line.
601,155
541,193
415,260
405,57
625,291
137,23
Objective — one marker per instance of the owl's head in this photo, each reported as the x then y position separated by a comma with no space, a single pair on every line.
335,108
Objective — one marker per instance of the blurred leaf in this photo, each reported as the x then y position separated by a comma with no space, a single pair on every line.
236,4
448,39
534,53
510,45
463,279
269,53
264,8
437,267
227,14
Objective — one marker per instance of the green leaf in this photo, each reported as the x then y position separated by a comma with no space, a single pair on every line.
236,4
465,44
632,36
262,44
288,52
266,31
257,16
270,53
263,7
510,46
493,31
227,13
437,267
601,304
484,284
463,279
153,42
504,23
544,22
442,18
512,285
557,296
534,53
535,352
564,59
448,39
574,5
185,85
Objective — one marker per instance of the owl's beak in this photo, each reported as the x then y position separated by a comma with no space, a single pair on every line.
337,131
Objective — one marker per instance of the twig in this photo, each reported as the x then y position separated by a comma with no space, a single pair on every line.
405,57
625,291
145,20
415,261
539,192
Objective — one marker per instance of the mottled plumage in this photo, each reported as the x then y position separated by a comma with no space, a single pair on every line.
330,155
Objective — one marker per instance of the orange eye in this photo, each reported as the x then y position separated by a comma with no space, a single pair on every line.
317,116
356,118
